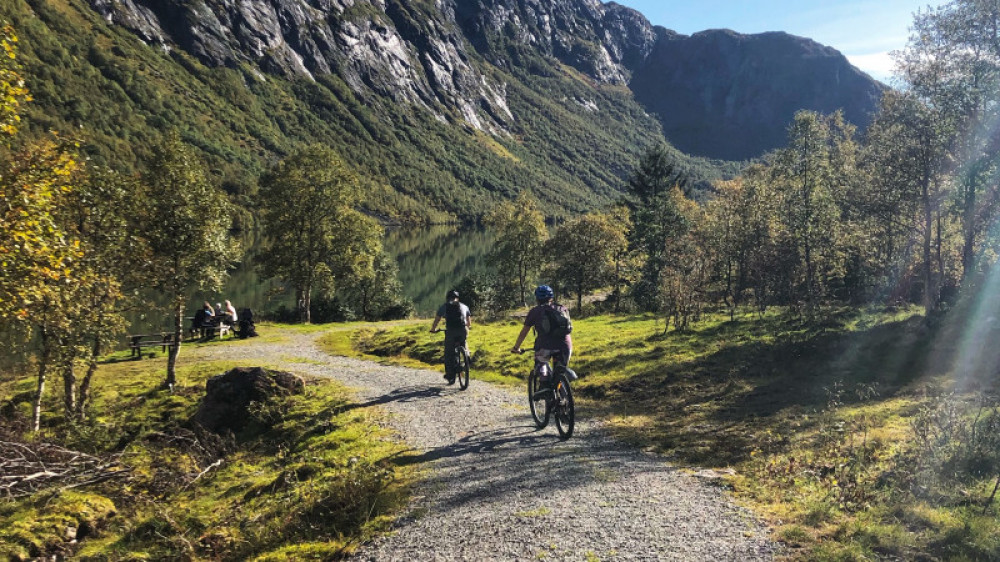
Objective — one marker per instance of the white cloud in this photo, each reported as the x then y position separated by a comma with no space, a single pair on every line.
877,65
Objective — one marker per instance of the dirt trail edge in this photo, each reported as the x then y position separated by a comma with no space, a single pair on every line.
500,490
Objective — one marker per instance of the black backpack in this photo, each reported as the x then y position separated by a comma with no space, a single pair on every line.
453,318
556,322
247,327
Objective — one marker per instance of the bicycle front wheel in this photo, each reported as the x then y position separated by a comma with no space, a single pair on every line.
463,368
538,401
563,406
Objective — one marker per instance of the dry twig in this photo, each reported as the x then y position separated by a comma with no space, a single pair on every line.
26,468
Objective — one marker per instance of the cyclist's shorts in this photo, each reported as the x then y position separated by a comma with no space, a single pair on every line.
543,355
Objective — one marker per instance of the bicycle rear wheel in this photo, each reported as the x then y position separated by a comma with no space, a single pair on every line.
463,368
538,401
563,406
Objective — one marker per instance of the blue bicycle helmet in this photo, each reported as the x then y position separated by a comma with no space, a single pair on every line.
544,293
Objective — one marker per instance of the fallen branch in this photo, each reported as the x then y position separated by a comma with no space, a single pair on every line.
27,468
208,468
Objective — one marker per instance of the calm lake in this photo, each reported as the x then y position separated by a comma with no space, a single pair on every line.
431,261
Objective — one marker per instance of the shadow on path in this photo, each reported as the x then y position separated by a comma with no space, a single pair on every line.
522,437
407,394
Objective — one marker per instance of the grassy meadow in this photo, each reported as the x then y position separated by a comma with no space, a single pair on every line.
858,437
310,477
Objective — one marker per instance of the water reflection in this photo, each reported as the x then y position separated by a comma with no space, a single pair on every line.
243,287
434,259
431,261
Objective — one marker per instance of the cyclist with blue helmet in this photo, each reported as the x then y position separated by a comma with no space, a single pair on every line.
458,322
552,330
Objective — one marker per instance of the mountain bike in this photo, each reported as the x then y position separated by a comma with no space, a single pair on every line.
464,361
549,394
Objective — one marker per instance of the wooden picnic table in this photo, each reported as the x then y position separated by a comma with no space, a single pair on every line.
138,341
210,329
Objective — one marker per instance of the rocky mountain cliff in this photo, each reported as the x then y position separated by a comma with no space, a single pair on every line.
727,95
442,106
716,93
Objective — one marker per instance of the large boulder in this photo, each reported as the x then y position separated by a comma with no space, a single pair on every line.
228,396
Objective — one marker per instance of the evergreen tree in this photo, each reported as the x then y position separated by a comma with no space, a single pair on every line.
657,218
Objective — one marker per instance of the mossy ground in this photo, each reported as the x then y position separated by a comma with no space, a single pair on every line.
814,414
310,478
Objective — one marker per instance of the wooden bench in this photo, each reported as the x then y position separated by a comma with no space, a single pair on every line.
138,341
220,330
208,331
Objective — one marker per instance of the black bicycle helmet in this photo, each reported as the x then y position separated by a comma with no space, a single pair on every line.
452,294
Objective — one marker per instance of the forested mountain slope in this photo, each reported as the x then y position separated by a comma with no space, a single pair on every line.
442,107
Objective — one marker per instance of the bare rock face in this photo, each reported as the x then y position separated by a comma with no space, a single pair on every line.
723,94
717,93
597,39
228,396
382,48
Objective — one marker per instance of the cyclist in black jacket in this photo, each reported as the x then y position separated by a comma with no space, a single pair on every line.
458,322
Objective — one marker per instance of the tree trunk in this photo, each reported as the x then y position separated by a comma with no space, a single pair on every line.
928,230
940,261
969,216
83,398
729,290
175,346
522,280
618,284
303,302
43,364
365,304
307,305
579,298
69,387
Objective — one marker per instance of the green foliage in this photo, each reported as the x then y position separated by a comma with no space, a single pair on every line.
12,90
584,253
657,218
520,232
35,250
686,276
313,236
186,222
807,175
487,295
379,295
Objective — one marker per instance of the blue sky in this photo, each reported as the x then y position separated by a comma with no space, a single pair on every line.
864,31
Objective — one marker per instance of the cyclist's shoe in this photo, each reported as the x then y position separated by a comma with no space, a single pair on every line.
450,379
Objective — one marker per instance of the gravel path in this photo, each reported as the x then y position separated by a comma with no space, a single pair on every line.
500,490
